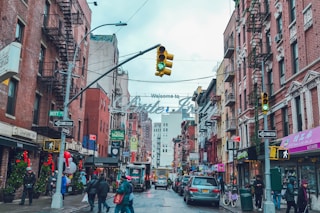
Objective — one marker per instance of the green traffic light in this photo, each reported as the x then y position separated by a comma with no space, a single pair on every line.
161,66
265,107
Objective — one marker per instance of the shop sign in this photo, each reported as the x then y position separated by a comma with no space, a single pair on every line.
21,132
117,135
9,60
242,155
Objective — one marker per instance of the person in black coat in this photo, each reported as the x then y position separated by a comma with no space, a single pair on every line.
289,195
102,192
29,180
258,191
303,197
92,190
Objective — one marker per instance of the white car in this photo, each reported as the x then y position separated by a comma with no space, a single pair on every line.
161,182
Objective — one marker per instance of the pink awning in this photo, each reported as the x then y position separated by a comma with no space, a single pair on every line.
306,140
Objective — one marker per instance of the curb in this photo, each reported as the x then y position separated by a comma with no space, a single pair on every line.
85,206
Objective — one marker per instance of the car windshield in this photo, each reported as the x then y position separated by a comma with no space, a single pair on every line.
162,178
205,181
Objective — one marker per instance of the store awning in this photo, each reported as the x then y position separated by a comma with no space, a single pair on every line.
18,143
308,140
101,162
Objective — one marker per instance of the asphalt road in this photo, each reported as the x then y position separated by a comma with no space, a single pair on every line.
161,200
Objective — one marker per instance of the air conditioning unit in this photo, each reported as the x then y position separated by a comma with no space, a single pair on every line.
278,37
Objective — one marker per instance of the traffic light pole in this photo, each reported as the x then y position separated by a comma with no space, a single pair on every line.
268,205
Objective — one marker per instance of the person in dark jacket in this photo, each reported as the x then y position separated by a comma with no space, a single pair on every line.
258,191
289,196
124,188
29,180
303,197
92,190
131,195
102,192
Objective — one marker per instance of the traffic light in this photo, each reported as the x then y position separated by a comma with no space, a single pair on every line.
283,154
264,102
49,145
164,61
273,155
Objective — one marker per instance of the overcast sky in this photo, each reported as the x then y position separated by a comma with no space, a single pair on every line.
192,30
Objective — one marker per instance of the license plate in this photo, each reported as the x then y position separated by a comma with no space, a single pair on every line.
205,190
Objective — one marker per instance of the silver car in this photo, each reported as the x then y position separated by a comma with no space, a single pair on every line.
202,189
161,182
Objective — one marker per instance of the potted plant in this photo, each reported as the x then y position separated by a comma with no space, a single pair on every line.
41,184
8,194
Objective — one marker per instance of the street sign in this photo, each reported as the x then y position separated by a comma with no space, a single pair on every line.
267,134
66,131
61,123
56,113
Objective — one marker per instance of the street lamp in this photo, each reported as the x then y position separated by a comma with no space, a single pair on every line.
57,197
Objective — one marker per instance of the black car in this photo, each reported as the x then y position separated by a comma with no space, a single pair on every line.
176,183
183,183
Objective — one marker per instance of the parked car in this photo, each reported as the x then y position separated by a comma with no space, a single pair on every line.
176,183
183,183
162,182
202,189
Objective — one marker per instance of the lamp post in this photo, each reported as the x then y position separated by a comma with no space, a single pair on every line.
57,197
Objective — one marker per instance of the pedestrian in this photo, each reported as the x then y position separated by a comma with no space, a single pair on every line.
258,191
29,180
303,197
102,192
51,183
92,190
83,178
124,188
222,185
276,194
63,185
131,196
289,195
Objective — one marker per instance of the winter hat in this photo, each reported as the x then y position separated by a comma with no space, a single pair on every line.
304,181
28,169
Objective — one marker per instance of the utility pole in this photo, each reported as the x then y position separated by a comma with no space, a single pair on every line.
268,204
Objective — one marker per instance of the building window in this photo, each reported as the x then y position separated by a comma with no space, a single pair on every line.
299,113
270,82
36,109
46,13
79,130
279,24
295,57
81,99
292,8
83,66
19,31
282,72
240,103
245,103
268,42
12,96
285,120
272,121
244,67
41,59
52,107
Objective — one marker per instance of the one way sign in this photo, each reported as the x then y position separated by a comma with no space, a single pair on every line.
61,123
267,134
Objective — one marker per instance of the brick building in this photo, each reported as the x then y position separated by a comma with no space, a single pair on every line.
48,32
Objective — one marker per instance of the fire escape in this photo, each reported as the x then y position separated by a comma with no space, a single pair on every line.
57,28
260,52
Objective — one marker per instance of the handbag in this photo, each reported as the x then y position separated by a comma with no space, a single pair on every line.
85,198
117,199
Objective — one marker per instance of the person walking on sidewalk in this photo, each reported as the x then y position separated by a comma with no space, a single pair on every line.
92,190
303,197
124,188
289,195
258,191
102,192
29,180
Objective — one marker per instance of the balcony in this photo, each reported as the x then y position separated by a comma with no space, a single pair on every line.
229,73
230,99
229,47
231,125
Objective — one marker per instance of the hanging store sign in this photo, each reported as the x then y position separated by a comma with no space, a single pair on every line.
117,135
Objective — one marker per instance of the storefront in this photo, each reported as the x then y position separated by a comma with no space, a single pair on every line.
247,166
304,162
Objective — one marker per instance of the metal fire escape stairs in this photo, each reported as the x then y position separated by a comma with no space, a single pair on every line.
59,30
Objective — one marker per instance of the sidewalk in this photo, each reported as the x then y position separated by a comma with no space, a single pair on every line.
238,209
72,203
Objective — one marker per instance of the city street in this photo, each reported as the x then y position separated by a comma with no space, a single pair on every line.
161,200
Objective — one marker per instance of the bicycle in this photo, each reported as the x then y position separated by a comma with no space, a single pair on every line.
230,197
